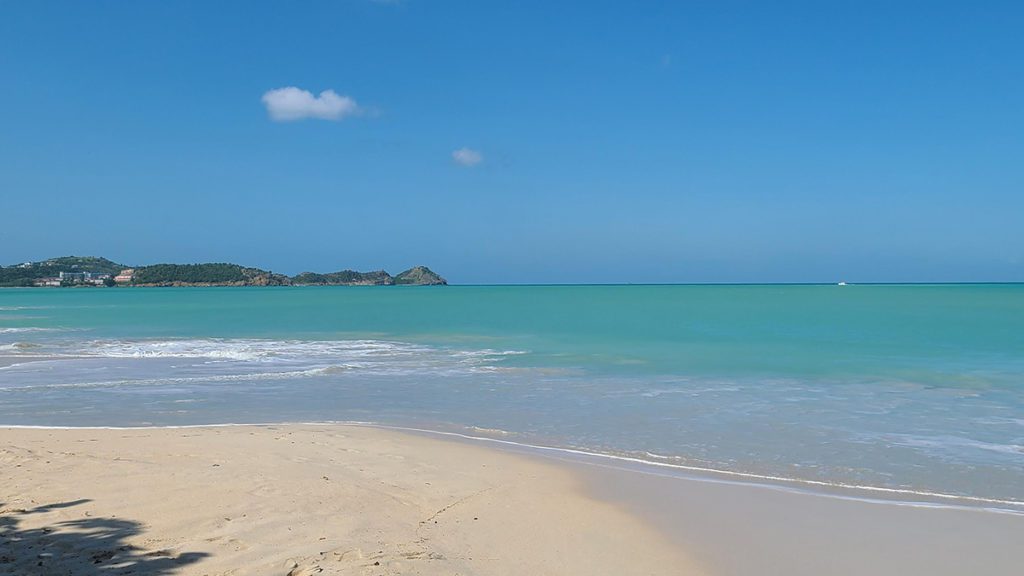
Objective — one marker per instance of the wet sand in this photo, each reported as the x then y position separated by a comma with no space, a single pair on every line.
736,527
740,529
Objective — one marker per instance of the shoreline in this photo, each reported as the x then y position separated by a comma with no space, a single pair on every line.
881,495
868,493
685,525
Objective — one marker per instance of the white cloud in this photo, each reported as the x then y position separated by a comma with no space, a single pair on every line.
467,157
291,103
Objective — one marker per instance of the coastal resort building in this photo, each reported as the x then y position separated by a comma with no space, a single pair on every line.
82,278
126,276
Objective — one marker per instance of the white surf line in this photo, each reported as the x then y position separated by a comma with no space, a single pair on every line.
40,356
801,490
283,375
749,479
15,365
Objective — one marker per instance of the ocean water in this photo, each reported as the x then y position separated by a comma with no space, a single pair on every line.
906,388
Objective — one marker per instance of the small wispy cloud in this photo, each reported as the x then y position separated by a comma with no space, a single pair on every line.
291,103
467,157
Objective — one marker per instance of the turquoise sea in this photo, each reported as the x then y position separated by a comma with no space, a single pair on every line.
913,388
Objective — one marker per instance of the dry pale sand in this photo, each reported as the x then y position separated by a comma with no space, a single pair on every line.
302,499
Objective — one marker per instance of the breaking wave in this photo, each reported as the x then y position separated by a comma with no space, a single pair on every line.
224,360
252,350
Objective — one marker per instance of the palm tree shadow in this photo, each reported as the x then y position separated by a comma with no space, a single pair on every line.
82,547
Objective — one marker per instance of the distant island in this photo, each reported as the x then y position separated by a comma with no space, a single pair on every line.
70,271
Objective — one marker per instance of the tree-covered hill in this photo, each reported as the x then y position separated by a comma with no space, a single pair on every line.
420,276
26,273
345,278
220,274
208,274
93,264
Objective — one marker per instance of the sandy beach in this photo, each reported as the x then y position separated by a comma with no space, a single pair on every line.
298,500
302,499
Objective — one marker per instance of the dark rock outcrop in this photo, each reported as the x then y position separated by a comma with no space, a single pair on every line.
420,276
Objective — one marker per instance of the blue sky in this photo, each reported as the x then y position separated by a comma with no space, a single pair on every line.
614,141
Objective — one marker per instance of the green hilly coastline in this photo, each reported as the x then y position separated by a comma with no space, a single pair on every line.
94,271
346,278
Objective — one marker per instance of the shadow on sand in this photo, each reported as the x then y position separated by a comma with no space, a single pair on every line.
82,547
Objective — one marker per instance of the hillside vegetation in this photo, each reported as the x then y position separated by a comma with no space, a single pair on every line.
344,277
26,274
420,276
215,274
207,274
